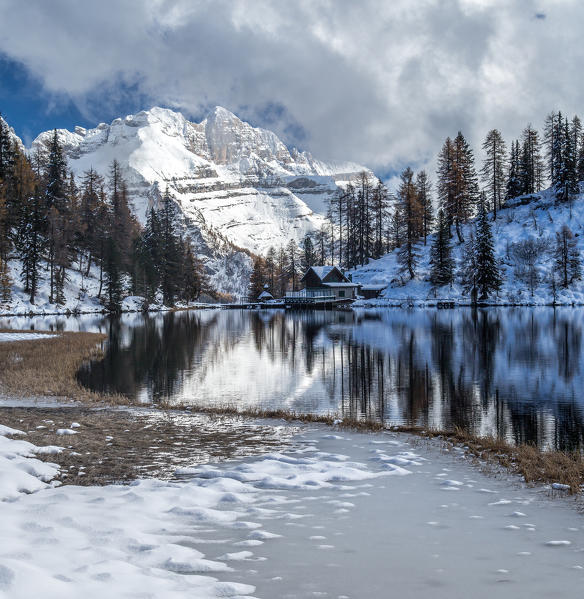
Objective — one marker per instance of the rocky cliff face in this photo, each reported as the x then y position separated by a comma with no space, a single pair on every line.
237,186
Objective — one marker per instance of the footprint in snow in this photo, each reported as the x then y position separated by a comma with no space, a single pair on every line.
558,543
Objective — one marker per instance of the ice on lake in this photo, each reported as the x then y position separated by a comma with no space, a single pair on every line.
325,518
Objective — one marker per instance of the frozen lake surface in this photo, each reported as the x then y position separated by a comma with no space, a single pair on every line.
341,515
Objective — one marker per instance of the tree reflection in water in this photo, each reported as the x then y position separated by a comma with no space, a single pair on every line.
510,372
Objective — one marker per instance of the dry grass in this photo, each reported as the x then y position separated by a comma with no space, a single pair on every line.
117,446
531,463
288,416
40,368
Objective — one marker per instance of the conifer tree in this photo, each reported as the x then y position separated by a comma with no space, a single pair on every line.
271,265
424,194
556,150
282,271
468,270
379,208
408,255
488,279
568,262
322,244
494,169
31,242
514,187
194,280
6,151
257,279
292,264
170,249
566,183
58,219
87,235
442,265
7,183
576,132
530,163
308,253
551,143
113,283
458,188
580,158
5,283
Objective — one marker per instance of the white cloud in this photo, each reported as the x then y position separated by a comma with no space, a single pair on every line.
378,82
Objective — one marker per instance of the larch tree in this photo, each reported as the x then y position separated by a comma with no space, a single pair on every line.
257,278
494,170
408,255
458,188
424,193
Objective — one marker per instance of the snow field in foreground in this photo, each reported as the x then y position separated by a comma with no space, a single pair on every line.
340,515
20,471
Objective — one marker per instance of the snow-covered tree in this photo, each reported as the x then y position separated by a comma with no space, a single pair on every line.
488,279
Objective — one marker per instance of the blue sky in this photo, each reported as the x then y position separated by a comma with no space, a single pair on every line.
31,109
25,105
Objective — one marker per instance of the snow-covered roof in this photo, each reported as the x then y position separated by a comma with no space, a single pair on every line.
374,287
322,271
265,295
343,284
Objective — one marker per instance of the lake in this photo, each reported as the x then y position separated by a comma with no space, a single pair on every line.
515,373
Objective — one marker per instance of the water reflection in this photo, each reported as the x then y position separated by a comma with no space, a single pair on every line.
514,373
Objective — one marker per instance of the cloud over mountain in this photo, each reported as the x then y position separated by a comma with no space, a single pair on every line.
380,83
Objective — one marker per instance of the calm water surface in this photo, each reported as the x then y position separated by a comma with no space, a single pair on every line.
517,373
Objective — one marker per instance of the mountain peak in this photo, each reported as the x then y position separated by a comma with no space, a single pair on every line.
222,114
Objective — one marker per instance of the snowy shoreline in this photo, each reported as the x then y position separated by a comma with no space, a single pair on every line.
340,514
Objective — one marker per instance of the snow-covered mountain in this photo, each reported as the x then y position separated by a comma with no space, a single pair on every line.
237,186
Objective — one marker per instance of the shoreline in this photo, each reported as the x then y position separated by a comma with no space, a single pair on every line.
48,368
403,305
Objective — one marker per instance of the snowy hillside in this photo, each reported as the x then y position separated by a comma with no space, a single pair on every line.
536,217
236,185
